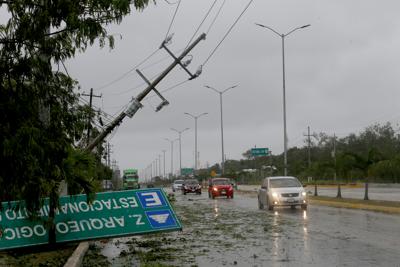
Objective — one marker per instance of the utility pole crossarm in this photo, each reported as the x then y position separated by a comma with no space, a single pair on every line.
135,103
164,101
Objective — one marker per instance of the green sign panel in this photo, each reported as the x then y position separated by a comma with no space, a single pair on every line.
111,214
256,152
187,171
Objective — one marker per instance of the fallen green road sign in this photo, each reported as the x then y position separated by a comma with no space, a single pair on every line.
111,214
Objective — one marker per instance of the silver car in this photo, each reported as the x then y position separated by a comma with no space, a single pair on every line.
177,185
281,191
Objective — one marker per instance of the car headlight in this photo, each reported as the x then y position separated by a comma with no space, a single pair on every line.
274,194
303,193
215,189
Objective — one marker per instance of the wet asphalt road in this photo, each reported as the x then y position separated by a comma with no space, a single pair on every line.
233,232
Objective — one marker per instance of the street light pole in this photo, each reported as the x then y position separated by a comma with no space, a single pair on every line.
284,88
159,166
195,136
172,154
222,124
180,147
164,163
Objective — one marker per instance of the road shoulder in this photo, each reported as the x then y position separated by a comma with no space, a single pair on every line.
392,207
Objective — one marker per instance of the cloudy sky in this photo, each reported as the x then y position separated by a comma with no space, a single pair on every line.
342,74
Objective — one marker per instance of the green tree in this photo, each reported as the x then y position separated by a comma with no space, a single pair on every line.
41,120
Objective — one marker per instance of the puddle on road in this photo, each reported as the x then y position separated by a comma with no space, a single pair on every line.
215,233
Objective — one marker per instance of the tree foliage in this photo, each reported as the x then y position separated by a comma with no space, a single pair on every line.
40,117
373,154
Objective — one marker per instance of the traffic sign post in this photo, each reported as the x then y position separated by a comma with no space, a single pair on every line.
111,214
259,152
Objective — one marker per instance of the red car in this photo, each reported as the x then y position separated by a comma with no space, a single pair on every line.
220,187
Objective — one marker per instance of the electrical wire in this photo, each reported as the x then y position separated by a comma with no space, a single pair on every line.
97,109
216,16
136,87
227,33
161,60
173,18
169,3
128,72
201,23
170,88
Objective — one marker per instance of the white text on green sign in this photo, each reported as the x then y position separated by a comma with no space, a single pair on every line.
111,214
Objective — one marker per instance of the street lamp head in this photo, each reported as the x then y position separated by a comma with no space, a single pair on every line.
305,26
191,115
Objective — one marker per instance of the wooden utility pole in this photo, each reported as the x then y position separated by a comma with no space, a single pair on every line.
309,146
91,95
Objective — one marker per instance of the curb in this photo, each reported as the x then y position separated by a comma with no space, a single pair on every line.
332,202
75,260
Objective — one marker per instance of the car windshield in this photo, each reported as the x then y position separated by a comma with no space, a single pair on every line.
178,182
191,182
284,182
221,182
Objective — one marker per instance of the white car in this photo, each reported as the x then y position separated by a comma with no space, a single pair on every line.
177,185
281,191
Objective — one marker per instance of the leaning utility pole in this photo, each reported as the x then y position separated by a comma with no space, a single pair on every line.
135,104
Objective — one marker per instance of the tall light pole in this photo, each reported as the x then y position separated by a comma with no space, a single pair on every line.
222,124
164,162
195,136
180,147
172,154
159,166
284,87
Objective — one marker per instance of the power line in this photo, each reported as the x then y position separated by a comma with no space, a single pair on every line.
216,16
173,18
161,60
136,87
201,23
230,29
171,88
126,73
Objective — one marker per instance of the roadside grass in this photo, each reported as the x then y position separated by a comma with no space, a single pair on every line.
41,256
392,207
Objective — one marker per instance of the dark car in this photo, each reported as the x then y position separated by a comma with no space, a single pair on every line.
191,186
220,187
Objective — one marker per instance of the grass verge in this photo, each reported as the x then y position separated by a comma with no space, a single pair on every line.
392,207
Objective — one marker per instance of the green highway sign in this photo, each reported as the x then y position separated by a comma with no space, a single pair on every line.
257,152
187,171
111,214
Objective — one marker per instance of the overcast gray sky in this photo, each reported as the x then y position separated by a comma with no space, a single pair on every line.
342,74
